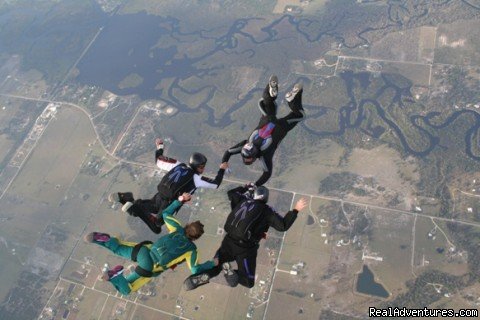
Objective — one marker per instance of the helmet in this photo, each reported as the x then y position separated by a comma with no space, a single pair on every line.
261,193
249,153
197,159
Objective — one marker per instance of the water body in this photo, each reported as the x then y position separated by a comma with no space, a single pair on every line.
127,45
366,284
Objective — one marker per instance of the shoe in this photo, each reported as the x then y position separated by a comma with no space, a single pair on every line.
232,278
273,86
195,281
291,94
96,237
110,274
227,268
114,197
126,207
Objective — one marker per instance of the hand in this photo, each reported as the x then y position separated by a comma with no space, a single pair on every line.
251,186
159,143
185,197
216,261
301,204
224,165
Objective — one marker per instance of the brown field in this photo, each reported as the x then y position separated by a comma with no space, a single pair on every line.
466,205
325,280
304,172
427,44
311,7
412,45
419,74
117,309
399,46
457,43
91,304
56,159
5,116
430,237
391,240
11,271
388,169
144,313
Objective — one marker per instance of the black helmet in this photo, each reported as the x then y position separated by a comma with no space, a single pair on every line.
249,152
261,193
197,159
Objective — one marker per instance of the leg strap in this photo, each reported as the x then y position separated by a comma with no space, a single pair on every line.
143,273
136,249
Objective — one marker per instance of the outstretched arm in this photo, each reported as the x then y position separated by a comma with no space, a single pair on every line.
164,163
284,223
204,182
266,161
194,266
233,150
167,215
280,223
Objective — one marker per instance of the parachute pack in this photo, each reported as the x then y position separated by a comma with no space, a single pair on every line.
173,182
241,221
262,138
163,252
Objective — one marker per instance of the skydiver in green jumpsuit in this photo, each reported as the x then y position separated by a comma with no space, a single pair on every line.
154,258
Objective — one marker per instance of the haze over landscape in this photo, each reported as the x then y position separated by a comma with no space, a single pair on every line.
388,156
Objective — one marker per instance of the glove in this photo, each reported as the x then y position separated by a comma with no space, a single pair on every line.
250,189
251,186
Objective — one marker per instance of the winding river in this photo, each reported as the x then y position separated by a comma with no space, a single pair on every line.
124,48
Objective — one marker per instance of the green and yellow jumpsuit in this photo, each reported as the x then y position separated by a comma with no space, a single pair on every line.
153,259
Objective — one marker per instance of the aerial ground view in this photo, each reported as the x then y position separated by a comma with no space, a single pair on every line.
387,156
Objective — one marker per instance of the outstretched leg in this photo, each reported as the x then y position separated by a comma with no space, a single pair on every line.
145,210
247,265
267,105
122,197
120,248
123,249
294,100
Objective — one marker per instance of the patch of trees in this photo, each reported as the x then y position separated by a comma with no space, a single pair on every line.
422,292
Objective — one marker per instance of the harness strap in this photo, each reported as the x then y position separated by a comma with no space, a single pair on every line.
143,273
136,249
266,130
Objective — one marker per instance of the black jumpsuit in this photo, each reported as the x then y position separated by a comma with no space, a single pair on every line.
245,253
143,208
268,107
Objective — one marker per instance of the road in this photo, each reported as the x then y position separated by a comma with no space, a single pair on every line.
294,193
323,197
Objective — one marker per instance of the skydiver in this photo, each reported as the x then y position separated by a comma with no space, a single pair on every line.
246,225
180,178
264,140
154,258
